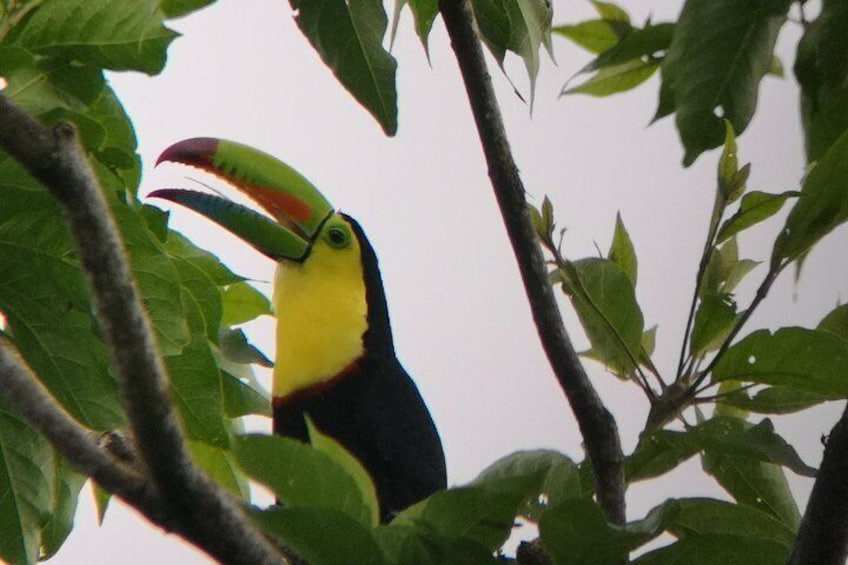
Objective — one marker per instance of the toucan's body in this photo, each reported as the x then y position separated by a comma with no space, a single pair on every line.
335,359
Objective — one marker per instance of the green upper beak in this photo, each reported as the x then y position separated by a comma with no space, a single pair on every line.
299,208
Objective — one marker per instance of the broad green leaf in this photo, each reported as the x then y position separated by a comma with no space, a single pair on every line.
221,466
335,451
45,302
242,303
813,361
605,301
235,347
650,41
737,439
177,8
755,207
714,318
348,37
576,532
821,67
300,475
424,13
67,484
322,536
720,51
706,516
196,381
560,479
482,515
596,36
822,206
772,400
419,545
611,11
108,33
242,399
615,78
520,26
27,464
658,452
725,269
836,321
715,549
622,252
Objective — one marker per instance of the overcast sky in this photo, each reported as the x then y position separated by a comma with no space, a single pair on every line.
462,327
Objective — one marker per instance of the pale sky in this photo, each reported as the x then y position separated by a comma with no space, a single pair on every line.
462,327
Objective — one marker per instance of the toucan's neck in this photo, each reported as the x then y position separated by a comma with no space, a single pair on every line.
331,312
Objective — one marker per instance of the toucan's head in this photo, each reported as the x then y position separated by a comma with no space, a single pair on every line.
327,290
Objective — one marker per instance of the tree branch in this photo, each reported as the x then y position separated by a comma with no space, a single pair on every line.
597,425
196,507
823,535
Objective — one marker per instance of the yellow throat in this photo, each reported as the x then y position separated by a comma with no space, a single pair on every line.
321,312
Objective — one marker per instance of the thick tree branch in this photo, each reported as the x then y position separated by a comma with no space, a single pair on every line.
597,425
194,504
823,535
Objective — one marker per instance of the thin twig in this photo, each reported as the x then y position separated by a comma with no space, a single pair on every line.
597,425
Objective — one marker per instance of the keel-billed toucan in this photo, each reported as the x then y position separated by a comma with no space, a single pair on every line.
335,359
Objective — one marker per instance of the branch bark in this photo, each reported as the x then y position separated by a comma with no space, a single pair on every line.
823,535
194,506
596,423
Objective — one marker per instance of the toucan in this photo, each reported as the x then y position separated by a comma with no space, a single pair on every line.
335,359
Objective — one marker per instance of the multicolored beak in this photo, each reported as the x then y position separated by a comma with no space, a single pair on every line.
297,206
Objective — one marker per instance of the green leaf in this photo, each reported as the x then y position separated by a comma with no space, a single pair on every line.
322,536
622,252
424,12
836,321
715,317
242,399
650,41
26,486
822,206
813,361
605,301
242,303
559,479
720,51
736,439
716,550
611,11
419,545
67,484
221,466
658,452
482,515
108,34
821,67
348,37
335,451
301,476
615,78
596,36
44,299
773,400
177,8
235,347
725,270
706,516
575,532
755,207
520,26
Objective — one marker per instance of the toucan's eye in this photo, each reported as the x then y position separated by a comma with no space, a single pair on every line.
338,237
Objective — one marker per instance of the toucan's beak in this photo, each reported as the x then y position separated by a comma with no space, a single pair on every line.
297,206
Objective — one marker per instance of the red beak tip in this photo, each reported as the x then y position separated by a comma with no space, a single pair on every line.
197,151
